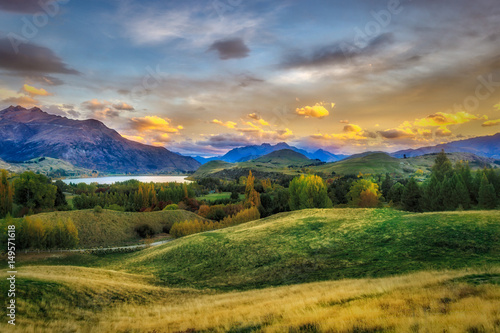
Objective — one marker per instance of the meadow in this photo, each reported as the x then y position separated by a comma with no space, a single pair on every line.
315,270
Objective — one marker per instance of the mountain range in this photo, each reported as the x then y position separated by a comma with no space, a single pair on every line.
243,154
31,133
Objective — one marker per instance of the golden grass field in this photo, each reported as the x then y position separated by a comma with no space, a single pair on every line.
121,302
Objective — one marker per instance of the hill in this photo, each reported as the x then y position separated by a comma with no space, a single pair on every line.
51,167
327,244
273,165
247,153
112,228
487,146
31,133
283,157
374,163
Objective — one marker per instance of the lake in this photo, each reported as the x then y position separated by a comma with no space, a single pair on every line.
114,179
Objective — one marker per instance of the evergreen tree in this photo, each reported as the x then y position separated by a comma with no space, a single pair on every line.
396,193
386,185
460,192
487,197
411,196
447,195
431,196
442,166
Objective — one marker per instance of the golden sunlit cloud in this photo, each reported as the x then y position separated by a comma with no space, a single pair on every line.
32,91
491,123
351,132
152,123
228,124
443,132
397,133
444,119
497,106
258,119
317,111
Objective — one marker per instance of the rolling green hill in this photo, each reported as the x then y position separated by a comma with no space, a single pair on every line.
376,163
283,157
323,244
112,228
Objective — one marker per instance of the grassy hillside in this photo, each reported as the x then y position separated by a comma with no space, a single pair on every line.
211,167
72,299
314,245
110,228
283,157
48,166
376,163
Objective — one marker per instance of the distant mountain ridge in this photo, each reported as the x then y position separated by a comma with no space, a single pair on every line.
31,133
247,153
486,146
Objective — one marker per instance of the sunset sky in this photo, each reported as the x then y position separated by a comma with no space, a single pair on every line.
203,77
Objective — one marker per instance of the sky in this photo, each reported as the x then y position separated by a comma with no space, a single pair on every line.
202,77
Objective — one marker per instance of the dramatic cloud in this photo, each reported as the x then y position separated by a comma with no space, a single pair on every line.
106,109
351,132
226,141
32,91
152,130
491,123
352,128
443,132
316,111
24,6
337,53
31,58
228,124
122,106
230,48
397,133
24,101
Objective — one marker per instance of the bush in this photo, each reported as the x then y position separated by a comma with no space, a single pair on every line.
144,230
171,207
97,209
116,207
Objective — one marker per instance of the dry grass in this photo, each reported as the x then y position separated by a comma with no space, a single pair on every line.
419,302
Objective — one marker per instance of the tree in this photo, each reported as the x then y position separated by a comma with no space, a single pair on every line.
460,191
386,185
431,195
364,193
308,191
411,196
252,197
396,193
442,166
487,197
34,191
6,195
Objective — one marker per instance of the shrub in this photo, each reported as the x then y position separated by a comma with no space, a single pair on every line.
171,207
97,209
144,230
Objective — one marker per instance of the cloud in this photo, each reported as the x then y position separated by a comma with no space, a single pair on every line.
344,121
258,119
24,101
491,123
31,58
443,132
336,53
122,106
497,106
445,119
152,123
228,124
316,111
226,141
106,109
397,133
234,48
23,6
32,91
352,128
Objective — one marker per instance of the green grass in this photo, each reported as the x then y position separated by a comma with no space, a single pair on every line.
315,245
217,196
112,228
377,163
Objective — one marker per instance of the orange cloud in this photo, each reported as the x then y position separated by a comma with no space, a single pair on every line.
317,111
491,123
32,91
351,132
228,124
123,106
353,128
152,123
443,132
258,119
